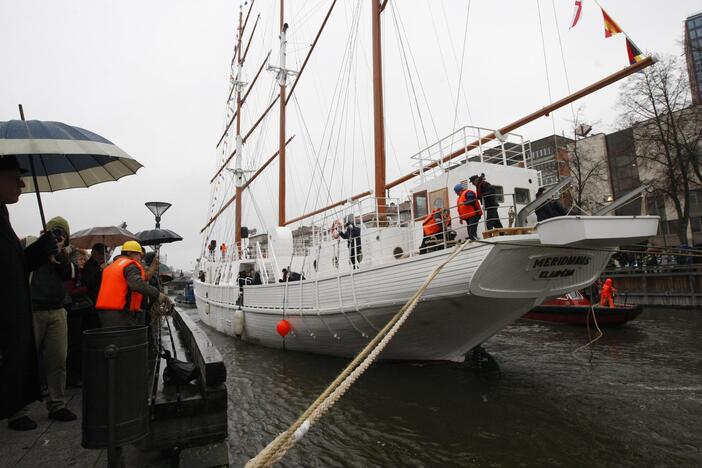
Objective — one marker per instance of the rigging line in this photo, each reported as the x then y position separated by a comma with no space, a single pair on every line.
339,84
455,59
548,78
563,60
460,74
405,63
308,137
419,78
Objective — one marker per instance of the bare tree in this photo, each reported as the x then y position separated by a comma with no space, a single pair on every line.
667,134
587,168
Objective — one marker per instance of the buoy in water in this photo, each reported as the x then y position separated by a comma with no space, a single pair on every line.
283,328
238,322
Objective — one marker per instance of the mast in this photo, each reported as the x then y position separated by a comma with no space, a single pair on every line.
281,134
238,169
378,118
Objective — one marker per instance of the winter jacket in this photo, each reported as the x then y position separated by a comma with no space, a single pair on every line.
47,288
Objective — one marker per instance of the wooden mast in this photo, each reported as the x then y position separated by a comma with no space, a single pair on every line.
281,133
238,163
378,119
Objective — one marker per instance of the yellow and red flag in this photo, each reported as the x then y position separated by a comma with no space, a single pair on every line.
611,27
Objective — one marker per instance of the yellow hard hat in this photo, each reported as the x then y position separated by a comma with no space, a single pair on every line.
132,246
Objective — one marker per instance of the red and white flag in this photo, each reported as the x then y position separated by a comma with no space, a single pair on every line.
576,13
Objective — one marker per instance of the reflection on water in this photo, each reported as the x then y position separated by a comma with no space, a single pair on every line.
635,399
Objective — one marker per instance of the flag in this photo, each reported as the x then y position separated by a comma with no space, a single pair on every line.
611,27
635,54
576,13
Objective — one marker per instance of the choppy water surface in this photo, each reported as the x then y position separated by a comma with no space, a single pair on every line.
635,400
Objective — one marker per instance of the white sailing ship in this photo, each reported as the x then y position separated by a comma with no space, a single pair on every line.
336,307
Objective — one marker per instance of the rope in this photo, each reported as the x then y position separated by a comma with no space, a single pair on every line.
275,451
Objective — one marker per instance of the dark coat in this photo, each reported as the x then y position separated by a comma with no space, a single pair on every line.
19,374
486,193
550,209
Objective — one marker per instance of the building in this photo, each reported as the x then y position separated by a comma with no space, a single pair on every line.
693,53
549,156
614,165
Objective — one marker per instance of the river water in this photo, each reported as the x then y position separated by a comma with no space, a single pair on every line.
633,399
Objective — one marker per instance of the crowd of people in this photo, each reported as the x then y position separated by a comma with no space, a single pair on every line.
52,293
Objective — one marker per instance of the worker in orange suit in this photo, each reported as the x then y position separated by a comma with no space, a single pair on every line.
223,249
607,293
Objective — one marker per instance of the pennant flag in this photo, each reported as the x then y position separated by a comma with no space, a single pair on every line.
635,54
611,27
576,13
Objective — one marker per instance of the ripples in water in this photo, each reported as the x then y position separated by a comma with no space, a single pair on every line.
633,399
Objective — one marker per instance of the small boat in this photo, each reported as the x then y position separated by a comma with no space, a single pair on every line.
576,309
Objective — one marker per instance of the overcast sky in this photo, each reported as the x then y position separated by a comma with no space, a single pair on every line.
153,77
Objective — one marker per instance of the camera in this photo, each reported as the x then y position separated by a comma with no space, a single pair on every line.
58,233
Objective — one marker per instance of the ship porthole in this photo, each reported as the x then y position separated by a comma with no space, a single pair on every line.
397,252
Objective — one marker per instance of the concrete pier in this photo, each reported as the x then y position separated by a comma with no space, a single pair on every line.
57,444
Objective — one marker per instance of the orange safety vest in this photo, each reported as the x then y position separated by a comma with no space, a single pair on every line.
430,225
467,210
114,292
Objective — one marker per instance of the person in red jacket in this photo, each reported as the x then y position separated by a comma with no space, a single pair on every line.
469,210
607,293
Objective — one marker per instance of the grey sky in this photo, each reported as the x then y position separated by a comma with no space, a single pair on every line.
153,76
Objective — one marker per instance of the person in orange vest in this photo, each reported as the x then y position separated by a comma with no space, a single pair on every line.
432,227
223,249
607,293
449,234
124,284
469,210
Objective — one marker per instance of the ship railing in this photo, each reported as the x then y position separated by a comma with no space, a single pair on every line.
507,149
364,213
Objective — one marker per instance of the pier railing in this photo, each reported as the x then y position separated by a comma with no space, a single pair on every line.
660,285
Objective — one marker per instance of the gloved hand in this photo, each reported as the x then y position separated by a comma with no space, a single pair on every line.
163,299
43,248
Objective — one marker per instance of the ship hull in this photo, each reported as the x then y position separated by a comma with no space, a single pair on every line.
338,315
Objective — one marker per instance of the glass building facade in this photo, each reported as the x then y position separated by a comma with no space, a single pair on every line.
693,52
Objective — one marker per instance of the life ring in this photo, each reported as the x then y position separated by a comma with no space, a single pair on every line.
336,229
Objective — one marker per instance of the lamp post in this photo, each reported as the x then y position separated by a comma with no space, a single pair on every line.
158,208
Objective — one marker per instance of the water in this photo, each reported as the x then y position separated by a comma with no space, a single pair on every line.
635,400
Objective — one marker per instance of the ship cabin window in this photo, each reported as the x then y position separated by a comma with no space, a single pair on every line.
419,204
522,196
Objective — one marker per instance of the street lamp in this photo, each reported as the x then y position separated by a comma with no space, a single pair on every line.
157,208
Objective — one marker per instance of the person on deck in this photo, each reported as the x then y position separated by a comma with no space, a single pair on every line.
607,293
124,284
469,210
550,209
19,373
432,229
489,197
223,249
353,236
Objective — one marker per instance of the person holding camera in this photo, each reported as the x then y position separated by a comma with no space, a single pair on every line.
50,322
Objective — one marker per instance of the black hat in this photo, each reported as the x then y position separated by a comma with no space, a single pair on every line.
473,177
9,162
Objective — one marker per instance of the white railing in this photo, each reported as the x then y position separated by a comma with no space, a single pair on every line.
261,264
507,149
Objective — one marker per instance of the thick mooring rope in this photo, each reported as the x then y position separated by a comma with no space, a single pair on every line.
277,449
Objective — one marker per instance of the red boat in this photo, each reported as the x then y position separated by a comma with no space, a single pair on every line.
575,309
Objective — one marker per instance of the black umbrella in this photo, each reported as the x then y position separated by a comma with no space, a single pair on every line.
157,237
59,156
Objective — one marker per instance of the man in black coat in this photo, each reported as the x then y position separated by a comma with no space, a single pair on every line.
490,200
352,234
19,374
550,209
